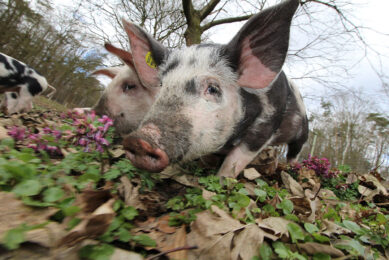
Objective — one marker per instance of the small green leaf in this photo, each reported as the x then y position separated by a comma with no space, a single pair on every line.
354,227
129,212
261,194
14,237
71,210
27,188
73,222
144,240
286,206
295,232
320,238
96,252
124,235
321,256
310,228
53,194
281,250
265,252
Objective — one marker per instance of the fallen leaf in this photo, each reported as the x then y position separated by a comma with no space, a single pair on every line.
3,133
14,213
375,181
212,233
241,249
130,193
179,241
331,228
251,174
163,225
292,185
208,194
312,248
92,226
367,193
277,225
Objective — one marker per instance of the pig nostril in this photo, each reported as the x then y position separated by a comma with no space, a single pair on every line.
122,114
154,156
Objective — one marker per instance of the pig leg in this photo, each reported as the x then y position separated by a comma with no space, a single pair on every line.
294,149
236,161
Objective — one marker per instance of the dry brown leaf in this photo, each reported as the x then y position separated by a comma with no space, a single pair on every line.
251,174
163,225
326,194
208,194
14,213
277,225
46,236
375,181
130,193
92,226
247,242
312,248
367,193
120,254
3,133
212,233
117,151
179,241
90,200
293,186
331,228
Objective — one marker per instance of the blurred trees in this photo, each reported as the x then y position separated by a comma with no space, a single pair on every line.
48,42
347,133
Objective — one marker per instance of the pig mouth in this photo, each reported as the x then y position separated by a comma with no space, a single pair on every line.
144,156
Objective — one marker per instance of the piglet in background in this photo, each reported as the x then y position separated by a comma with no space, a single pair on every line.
20,83
126,100
230,99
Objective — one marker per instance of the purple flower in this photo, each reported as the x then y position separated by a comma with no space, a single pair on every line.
18,133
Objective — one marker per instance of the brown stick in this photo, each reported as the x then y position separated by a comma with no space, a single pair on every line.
171,251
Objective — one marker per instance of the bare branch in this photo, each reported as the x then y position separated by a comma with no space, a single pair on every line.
208,9
224,21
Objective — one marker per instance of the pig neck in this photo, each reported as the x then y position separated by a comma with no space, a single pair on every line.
277,95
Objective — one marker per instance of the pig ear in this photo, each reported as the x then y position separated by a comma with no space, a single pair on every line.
110,72
125,56
147,52
259,49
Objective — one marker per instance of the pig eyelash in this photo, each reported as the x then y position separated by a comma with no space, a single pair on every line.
126,87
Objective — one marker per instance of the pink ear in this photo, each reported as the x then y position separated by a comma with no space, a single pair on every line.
259,49
110,72
145,65
125,56
252,72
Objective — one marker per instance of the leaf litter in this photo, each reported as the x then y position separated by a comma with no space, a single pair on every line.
83,204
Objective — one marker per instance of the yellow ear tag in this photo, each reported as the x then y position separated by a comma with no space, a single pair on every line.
150,61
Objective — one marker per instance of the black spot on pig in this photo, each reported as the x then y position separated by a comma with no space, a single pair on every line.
33,85
19,67
171,66
190,87
14,96
4,61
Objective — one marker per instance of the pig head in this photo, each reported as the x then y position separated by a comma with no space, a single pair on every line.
126,100
233,99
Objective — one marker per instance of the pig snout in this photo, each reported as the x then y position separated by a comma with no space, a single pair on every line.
142,154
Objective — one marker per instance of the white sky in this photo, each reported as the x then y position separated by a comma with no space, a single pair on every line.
368,13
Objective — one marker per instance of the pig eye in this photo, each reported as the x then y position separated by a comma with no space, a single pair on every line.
127,87
213,89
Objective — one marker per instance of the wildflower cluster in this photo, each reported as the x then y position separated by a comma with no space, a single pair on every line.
89,132
85,130
45,141
321,166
